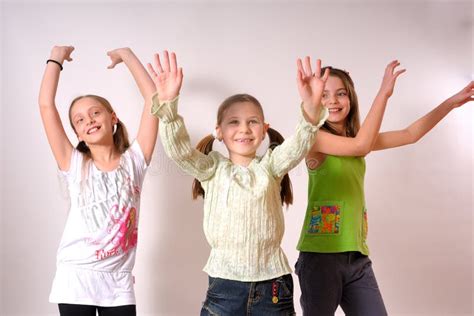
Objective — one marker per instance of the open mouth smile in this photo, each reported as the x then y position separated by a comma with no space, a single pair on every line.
244,140
93,130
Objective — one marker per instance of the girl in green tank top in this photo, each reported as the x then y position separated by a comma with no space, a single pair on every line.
333,266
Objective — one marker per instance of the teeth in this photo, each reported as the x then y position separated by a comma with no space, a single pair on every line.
335,110
92,130
244,140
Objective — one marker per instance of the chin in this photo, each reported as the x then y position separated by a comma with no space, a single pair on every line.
335,121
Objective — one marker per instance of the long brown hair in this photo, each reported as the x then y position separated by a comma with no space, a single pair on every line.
120,137
275,139
352,125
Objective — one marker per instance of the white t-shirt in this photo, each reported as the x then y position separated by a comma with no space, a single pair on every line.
97,250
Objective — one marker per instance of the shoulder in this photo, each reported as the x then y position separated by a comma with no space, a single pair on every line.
134,151
75,164
133,158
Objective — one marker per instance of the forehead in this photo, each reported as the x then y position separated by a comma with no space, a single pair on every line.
84,104
334,83
243,109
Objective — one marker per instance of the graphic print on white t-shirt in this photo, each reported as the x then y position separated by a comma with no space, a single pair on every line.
103,218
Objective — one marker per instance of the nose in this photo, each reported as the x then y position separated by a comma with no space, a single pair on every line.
90,121
245,128
332,99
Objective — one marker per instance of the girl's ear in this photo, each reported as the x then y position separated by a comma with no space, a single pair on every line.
266,126
78,137
219,133
114,118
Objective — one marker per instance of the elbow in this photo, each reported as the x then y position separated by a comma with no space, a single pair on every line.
412,138
45,102
45,106
363,149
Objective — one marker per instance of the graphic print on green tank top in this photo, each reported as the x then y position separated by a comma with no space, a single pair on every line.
336,217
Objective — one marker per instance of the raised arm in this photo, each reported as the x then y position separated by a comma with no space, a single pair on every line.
57,138
310,87
294,148
361,145
168,78
148,129
422,126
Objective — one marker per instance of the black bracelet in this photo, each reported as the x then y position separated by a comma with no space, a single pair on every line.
56,62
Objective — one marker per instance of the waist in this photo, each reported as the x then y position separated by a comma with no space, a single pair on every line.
247,265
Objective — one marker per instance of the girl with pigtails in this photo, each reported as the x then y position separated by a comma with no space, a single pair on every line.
243,195
104,175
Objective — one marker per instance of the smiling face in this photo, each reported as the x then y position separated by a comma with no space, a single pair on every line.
92,121
336,100
242,129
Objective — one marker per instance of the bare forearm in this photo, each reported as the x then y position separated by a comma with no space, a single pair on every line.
369,130
415,131
423,125
49,84
143,80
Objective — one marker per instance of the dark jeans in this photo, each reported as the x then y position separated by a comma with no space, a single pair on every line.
234,298
88,310
331,279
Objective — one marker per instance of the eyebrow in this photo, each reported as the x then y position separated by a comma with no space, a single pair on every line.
237,117
75,116
325,90
89,109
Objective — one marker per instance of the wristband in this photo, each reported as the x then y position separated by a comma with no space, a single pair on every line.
56,62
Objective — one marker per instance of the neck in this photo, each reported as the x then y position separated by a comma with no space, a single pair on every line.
340,127
103,153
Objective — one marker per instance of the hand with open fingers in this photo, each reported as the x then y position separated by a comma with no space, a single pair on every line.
61,53
310,84
116,56
166,75
389,78
463,96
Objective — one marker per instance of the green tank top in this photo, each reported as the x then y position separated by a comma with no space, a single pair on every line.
336,217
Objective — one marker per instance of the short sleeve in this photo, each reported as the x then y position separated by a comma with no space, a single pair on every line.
75,166
137,161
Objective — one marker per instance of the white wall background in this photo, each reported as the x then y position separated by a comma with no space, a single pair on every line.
419,197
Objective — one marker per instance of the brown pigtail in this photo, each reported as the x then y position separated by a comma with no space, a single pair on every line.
204,146
121,141
286,192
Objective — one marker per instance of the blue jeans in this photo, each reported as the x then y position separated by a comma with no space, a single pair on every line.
331,279
235,298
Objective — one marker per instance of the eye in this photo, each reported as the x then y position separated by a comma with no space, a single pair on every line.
78,121
254,122
342,94
96,112
233,122
325,95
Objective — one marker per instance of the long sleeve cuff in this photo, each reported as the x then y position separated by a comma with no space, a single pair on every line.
166,111
323,116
